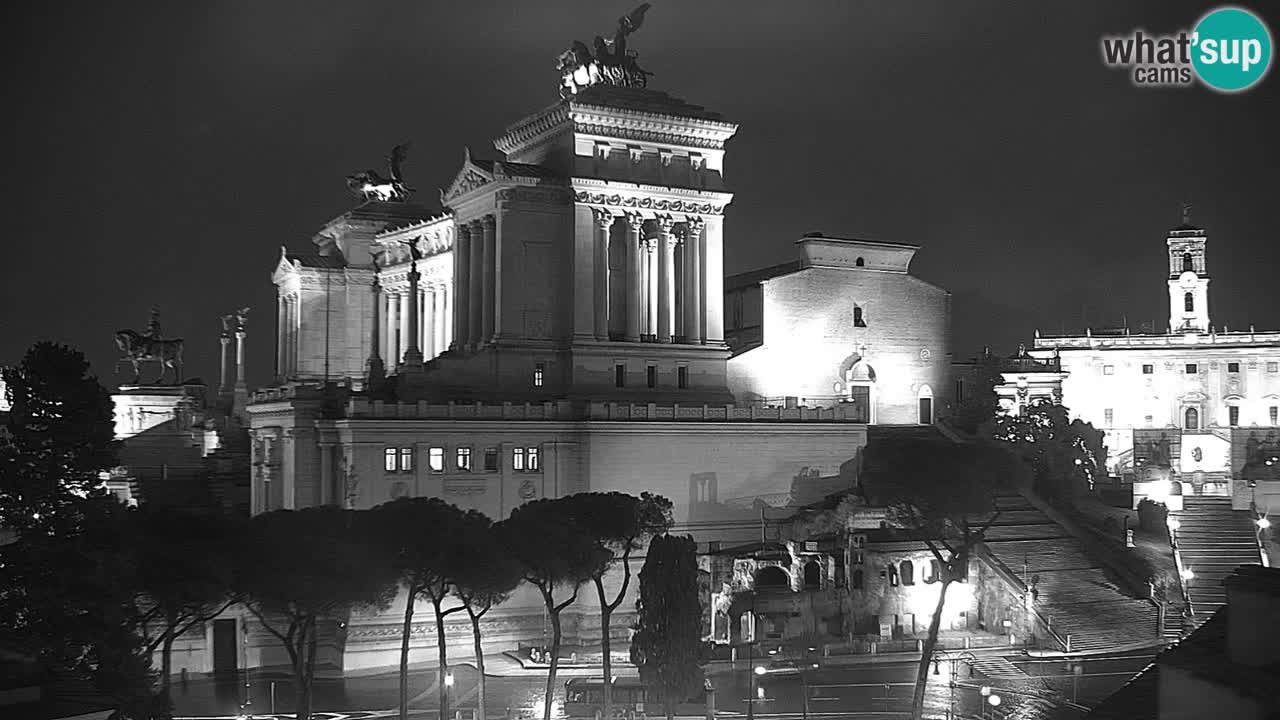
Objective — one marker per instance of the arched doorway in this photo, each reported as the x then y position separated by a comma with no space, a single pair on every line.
924,399
772,578
812,575
1191,419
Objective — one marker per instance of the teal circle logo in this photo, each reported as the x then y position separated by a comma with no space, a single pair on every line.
1231,49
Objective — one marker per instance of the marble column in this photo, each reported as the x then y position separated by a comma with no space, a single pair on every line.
475,285
393,327
635,225
461,276
651,286
280,331
446,317
376,371
489,284
412,302
693,280
666,249
429,323
604,221
240,335
225,340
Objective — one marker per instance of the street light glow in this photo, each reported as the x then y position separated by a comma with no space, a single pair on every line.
1263,523
448,680
994,700
985,691
1174,524
761,670
1187,574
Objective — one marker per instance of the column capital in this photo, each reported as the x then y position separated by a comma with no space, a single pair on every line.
665,224
635,222
694,224
604,219
463,230
489,222
649,244
672,241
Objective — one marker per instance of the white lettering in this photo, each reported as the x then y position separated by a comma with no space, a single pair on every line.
1252,54
1209,51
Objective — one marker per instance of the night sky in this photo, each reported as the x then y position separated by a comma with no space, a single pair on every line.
160,153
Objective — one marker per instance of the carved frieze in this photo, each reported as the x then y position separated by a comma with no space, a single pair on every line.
464,487
624,132
648,203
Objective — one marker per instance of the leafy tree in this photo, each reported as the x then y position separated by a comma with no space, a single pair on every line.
943,493
185,565
667,645
485,576
1064,455
68,581
620,523
422,536
554,551
303,566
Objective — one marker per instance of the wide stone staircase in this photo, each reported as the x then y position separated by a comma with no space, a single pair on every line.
1074,592
1212,541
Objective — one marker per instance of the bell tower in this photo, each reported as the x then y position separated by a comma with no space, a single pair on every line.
1188,277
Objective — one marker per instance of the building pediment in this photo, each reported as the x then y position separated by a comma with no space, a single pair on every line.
470,177
284,267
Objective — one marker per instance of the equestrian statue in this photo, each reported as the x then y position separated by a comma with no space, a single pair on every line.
136,348
370,185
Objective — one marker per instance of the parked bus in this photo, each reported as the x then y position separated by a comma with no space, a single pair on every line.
584,698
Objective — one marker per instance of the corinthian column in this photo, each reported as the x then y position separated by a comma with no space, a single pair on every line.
461,277
604,221
412,354
666,249
635,224
393,327
475,293
429,323
693,280
489,283
651,286
376,372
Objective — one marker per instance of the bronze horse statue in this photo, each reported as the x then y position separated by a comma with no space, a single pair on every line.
136,347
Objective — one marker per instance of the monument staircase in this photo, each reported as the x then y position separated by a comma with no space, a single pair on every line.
1212,540
1074,592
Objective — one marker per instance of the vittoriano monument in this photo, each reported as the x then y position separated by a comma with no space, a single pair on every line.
610,63
136,347
369,185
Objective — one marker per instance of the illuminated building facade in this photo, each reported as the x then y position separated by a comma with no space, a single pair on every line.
1190,410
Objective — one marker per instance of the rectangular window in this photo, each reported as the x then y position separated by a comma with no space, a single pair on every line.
1233,367
491,459
1192,369
531,459
1148,420
389,460
619,375
435,459
1274,413
1233,416
651,376
517,459
682,377
538,370
462,459
1148,369
406,459
1273,367
1109,416
959,391
1108,369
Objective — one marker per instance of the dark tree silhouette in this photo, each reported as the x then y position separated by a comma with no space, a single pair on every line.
299,567
485,575
620,523
667,645
1064,455
555,551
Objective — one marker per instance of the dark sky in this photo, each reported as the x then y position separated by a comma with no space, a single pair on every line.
161,152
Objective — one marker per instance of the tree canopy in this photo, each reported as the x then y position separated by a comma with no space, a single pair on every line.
1065,456
667,646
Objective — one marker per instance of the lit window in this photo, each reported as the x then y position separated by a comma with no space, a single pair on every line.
1273,367
406,459
1148,369
531,459
1189,302
651,376
538,370
1108,369
682,377
463,459
1233,367
517,459
1274,413
389,459
1108,416
491,459
435,459
1233,416
620,375
1192,369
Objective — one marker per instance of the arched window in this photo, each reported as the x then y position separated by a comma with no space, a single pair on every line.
771,577
1189,302
892,572
1187,264
933,573
1192,417
812,575
856,581
859,262
1175,488
858,320
908,573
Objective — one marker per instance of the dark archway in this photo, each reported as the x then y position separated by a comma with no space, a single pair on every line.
908,571
812,575
772,578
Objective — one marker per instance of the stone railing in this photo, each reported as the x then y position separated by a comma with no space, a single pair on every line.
1048,342
363,408
727,413
598,411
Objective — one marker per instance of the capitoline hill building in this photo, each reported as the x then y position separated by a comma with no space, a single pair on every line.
559,325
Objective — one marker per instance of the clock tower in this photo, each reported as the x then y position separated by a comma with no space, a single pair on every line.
1188,277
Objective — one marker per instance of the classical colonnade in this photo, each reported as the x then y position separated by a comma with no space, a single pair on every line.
658,265
434,330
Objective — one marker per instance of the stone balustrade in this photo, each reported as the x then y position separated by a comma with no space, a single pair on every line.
1135,341
596,411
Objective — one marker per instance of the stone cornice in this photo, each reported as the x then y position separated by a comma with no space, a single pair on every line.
651,127
654,198
532,129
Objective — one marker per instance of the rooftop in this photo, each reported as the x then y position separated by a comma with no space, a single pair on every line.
643,100
1124,339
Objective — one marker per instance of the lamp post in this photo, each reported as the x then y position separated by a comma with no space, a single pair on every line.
952,658
448,685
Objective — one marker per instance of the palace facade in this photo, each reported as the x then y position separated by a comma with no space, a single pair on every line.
1192,410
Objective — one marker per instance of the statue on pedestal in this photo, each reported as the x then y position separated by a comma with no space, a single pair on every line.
136,347
609,64
370,185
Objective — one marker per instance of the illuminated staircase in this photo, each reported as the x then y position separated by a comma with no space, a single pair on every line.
1213,540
